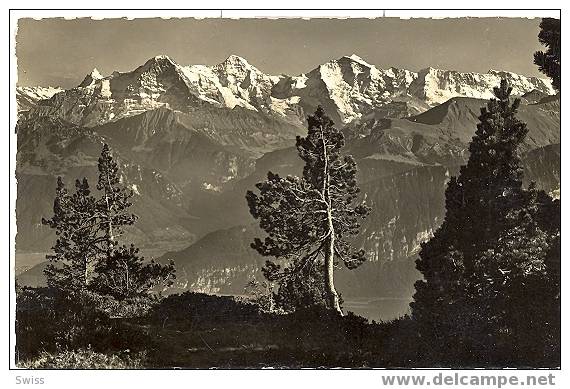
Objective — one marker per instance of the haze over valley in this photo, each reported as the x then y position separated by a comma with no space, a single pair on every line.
190,140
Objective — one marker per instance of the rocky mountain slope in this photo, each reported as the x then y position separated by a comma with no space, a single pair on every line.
28,97
407,208
190,140
49,147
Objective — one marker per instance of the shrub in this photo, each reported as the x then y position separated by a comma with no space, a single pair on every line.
190,309
48,320
84,359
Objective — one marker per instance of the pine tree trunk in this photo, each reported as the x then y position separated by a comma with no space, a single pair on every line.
329,245
86,272
127,278
329,261
109,226
329,274
110,236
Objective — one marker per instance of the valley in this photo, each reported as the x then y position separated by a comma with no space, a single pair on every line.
191,140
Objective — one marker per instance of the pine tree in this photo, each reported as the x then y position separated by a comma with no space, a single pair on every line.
493,244
310,219
125,274
549,62
523,285
86,250
305,289
75,249
115,200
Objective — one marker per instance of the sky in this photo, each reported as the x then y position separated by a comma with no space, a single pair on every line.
61,52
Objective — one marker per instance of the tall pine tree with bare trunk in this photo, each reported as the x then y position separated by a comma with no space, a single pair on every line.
310,220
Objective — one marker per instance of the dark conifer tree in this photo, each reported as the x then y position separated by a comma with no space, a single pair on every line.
115,200
86,250
76,247
549,61
305,289
310,220
125,274
492,246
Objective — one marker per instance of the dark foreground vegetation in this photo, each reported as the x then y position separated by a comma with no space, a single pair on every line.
195,330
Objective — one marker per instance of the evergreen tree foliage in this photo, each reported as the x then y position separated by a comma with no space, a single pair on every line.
310,220
86,254
549,61
125,274
76,247
302,290
489,270
115,200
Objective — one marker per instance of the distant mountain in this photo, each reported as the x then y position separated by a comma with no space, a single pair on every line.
191,140
49,147
436,86
205,148
403,186
407,208
28,96
348,88
533,97
441,135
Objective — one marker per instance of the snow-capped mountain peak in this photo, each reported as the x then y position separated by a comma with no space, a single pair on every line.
236,67
162,57
157,64
356,58
91,78
95,74
348,87
236,60
436,86
28,96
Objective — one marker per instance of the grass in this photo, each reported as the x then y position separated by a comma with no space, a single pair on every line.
83,359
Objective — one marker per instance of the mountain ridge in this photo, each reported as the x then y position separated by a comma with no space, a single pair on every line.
349,88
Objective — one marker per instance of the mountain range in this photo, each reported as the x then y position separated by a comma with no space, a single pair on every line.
348,88
190,140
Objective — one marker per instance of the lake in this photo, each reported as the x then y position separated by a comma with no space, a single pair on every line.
379,308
